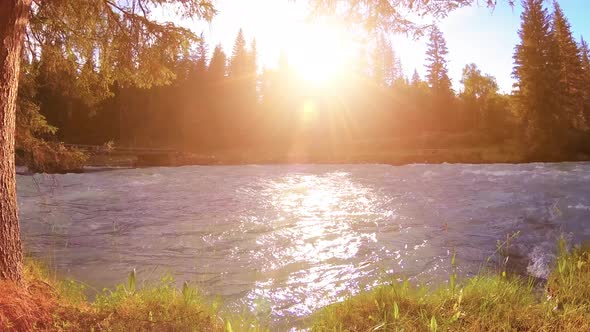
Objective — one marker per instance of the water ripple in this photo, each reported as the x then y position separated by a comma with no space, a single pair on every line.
284,241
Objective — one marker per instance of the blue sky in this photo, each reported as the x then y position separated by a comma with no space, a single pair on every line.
474,34
488,38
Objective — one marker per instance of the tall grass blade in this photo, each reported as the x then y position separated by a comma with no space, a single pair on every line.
131,281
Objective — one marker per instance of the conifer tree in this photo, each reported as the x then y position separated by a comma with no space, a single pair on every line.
437,76
217,88
441,94
585,56
202,55
386,66
398,71
570,68
252,69
253,56
217,66
195,90
393,66
239,58
416,80
585,84
536,92
242,88
378,57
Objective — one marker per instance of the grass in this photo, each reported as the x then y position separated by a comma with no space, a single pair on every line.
48,304
490,301
487,302
160,307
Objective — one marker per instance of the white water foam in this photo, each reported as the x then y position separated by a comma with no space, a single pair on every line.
539,267
579,206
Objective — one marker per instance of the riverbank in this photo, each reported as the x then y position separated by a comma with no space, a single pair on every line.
491,155
491,301
487,302
46,303
433,148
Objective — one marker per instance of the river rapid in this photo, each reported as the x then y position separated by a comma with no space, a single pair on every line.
286,240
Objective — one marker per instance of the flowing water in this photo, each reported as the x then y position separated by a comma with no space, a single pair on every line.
286,240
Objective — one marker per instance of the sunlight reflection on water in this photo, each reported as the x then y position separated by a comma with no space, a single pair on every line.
320,235
286,240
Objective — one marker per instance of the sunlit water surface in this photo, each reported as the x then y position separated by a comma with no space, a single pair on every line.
284,241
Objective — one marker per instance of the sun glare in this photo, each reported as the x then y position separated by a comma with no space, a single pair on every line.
320,52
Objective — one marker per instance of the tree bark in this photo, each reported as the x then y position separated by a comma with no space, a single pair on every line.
13,20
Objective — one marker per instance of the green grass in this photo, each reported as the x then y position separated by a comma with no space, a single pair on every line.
490,301
159,307
487,302
156,307
50,304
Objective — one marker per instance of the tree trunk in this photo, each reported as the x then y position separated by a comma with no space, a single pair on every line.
13,20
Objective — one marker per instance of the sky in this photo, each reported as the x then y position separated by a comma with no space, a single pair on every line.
474,34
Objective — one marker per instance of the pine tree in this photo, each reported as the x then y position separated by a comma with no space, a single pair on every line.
570,68
239,58
253,56
252,69
398,70
393,65
389,63
416,80
217,66
194,102
536,92
438,76
585,84
441,94
585,56
378,61
13,19
386,66
217,90
202,54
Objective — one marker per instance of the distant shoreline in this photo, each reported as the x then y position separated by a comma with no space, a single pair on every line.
390,156
131,163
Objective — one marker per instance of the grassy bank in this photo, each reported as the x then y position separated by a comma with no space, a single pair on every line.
487,302
49,304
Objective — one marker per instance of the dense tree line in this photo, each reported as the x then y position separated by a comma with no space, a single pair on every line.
227,102
218,102
552,87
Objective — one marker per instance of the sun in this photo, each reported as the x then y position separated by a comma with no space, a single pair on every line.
320,53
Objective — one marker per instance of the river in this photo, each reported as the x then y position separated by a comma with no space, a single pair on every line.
286,240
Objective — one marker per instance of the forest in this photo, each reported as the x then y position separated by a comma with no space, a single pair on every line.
304,245
223,102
